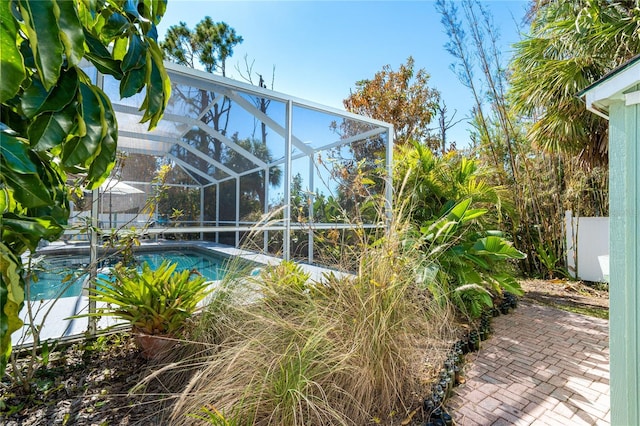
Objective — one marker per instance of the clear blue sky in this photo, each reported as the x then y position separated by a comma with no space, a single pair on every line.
321,48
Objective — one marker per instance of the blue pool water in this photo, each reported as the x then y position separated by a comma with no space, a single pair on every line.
65,275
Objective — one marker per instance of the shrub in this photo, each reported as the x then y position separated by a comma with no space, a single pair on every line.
155,302
338,351
454,212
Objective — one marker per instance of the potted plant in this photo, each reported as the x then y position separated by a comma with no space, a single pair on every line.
157,302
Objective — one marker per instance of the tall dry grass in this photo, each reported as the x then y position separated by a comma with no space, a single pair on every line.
345,351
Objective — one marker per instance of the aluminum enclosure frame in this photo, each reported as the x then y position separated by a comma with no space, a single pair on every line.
173,129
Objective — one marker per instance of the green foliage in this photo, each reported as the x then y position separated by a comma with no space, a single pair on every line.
470,259
210,43
569,46
214,417
56,121
286,276
11,298
453,209
551,263
155,302
430,185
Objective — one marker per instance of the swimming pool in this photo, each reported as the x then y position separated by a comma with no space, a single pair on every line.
66,275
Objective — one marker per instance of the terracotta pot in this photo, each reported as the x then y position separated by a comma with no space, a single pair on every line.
153,346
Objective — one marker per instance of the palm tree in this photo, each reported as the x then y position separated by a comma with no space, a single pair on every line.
570,45
432,184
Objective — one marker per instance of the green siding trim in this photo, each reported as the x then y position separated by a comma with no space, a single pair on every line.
624,186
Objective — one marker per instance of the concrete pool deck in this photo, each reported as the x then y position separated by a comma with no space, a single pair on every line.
56,326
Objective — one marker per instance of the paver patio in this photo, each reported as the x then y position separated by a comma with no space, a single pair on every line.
542,366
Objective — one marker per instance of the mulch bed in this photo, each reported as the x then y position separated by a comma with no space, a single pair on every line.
90,383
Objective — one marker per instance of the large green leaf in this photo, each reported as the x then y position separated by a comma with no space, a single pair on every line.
508,283
471,214
20,172
497,247
132,82
50,129
11,301
7,202
100,56
120,48
71,32
80,151
102,165
55,178
158,7
12,71
32,228
29,190
44,37
158,86
16,154
33,98
63,93
135,57
457,211
36,99
115,26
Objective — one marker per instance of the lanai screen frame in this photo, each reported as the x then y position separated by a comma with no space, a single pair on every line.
200,80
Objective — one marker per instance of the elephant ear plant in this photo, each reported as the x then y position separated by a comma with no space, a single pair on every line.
156,302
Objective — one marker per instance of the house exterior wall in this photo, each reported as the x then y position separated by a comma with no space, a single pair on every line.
624,175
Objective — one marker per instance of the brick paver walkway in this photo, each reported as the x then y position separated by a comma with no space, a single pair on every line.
542,366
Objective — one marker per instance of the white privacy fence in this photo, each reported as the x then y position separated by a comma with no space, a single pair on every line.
587,240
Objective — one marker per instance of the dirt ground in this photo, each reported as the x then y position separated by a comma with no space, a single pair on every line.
576,296
90,384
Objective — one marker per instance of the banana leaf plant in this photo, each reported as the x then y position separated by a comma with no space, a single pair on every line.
55,121
470,262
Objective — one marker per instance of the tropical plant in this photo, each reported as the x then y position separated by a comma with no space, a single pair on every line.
429,184
455,211
284,277
55,121
569,46
470,260
154,301
539,171
552,264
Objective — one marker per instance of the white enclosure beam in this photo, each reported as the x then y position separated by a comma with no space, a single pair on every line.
237,210
265,211
203,80
201,212
190,122
189,167
287,181
217,210
251,109
311,195
356,138
228,142
389,179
